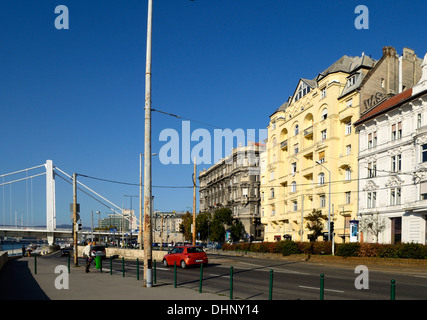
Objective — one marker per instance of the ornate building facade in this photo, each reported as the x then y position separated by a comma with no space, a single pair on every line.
234,183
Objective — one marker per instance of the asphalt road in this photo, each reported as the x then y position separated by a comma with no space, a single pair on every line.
291,280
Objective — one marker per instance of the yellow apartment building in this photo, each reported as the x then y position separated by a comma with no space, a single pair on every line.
311,158
311,154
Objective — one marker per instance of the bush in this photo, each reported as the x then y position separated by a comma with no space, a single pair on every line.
289,247
348,249
411,251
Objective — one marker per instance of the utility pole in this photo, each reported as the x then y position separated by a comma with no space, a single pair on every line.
76,262
194,203
148,277
140,240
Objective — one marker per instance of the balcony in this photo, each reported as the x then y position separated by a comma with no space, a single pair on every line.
284,145
308,132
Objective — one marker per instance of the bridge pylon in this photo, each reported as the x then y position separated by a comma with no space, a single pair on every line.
50,201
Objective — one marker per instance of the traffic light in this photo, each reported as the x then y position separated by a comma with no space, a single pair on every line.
332,228
79,226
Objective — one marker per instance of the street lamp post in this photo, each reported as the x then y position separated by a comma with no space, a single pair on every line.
148,279
329,214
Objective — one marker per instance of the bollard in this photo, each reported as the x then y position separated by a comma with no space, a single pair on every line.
321,285
231,283
123,266
68,263
270,295
137,269
201,278
35,264
154,271
174,274
393,290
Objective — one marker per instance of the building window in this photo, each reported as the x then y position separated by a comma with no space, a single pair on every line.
323,93
324,115
396,131
321,179
424,153
395,196
350,103
372,199
419,121
348,128
302,91
294,168
322,201
372,169
296,130
295,205
293,186
322,157
372,140
262,196
296,148
396,163
323,135
348,197
352,80
347,174
348,149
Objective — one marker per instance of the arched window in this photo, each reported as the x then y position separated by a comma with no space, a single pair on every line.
296,130
324,115
272,193
293,186
321,178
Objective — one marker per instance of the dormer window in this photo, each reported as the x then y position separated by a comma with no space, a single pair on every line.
352,80
303,89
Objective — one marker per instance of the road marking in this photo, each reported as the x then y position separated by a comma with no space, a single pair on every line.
332,290
264,268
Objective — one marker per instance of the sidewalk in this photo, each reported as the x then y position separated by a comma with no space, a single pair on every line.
19,282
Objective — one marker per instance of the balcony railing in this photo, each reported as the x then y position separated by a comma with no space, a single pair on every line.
308,131
284,144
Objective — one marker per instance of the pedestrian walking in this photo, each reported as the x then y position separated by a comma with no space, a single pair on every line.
23,250
86,255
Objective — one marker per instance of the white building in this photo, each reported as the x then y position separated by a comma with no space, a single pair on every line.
393,165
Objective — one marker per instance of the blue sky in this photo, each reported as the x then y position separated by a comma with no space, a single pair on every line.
77,96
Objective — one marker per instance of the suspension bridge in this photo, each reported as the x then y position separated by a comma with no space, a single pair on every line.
50,232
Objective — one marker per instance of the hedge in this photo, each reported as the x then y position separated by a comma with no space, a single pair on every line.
288,247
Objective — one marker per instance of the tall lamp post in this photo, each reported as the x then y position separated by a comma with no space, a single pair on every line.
148,277
329,214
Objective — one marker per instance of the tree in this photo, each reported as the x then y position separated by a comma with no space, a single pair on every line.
217,231
237,231
185,226
373,224
203,221
315,224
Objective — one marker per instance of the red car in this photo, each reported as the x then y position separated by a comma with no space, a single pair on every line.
185,256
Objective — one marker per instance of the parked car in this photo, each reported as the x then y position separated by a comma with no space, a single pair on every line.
98,250
185,256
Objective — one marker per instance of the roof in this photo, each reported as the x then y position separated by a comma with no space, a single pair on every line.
348,64
389,104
